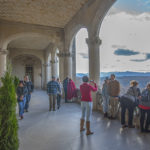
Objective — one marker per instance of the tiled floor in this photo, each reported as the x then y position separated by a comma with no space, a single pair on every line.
44,130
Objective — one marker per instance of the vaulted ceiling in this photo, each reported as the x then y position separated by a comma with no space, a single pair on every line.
55,13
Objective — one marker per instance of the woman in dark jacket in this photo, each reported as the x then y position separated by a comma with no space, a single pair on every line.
21,97
144,105
128,101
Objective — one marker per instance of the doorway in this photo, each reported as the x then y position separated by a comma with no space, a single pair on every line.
29,72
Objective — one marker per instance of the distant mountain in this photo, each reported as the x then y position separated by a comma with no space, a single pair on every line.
119,74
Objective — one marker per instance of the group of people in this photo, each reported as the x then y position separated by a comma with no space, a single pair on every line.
54,90
24,90
110,94
129,101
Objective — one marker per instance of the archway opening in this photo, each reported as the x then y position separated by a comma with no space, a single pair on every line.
28,65
82,58
125,45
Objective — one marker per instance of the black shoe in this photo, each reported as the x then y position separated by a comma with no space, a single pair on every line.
105,115
131,126
111,117
147,131
142,130
58,107
26,110
124,126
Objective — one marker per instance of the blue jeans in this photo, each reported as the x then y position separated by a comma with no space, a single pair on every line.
105,104
58,100
24,101
21,108
28,97
86,110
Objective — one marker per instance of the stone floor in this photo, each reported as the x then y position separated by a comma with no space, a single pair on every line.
44,130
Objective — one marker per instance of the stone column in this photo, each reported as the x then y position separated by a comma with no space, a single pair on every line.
61,66
47,72
68,64
94,63
74,60
43,76
54,64
3,61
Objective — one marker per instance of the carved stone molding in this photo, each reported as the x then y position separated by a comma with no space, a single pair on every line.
3,52
64,54
53,61
46,65
94,41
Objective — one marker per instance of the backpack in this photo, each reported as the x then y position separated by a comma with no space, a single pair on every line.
145,96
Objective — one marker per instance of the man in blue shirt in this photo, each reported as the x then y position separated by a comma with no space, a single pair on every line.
52,89
65,85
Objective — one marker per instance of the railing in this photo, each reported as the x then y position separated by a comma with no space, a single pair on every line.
99,101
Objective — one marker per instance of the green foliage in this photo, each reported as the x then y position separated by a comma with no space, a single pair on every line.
16,82
8,121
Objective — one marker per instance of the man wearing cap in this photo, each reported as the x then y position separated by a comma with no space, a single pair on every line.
52,89
113,91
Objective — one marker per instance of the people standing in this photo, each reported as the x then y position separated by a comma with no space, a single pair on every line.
21,98
113,90
144,105
59,93
28,84
71,90
105,97
65,86
86,103
52,89
128,102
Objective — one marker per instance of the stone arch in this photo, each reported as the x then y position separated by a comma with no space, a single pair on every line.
94,28
25,34
73,50
70,36
26,64
74,33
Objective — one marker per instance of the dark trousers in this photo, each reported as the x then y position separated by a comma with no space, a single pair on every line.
142,119
28,97
127,104
65,95
58,100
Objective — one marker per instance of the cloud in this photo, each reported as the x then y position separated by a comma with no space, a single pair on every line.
138,60
125,52
147,57
118,46
84,55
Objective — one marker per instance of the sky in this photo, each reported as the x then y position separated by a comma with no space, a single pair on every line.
125,35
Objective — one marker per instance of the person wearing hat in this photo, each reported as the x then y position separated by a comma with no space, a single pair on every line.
52,89
128,102
105,96
86,103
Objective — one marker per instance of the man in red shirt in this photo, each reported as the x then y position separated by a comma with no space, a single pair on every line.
86,103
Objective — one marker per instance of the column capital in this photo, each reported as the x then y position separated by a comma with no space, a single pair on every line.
46,65
95,40
3,51
64,54
53,61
